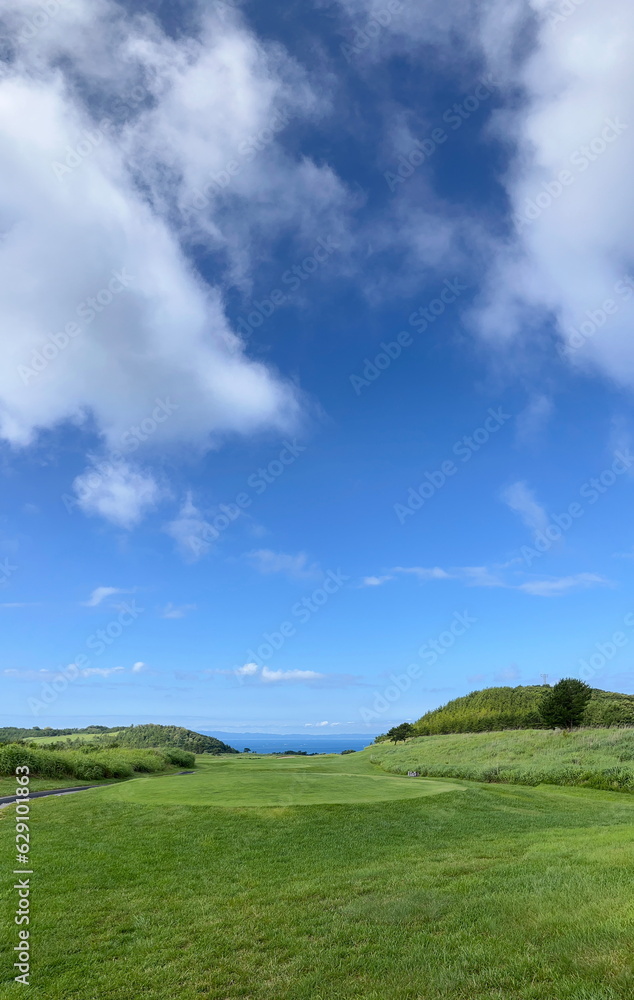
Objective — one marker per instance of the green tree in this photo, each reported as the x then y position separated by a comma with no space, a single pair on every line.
564,704
402,732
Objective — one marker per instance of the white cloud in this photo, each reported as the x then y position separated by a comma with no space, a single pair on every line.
99,594
484,576
276,676
173,611
295,566
575,116
190,530
565,114
139,667
123,494
104,672
248,670
423,573
522,501
375,581
564,584
179,112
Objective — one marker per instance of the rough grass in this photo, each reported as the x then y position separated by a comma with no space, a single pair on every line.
594,758
495,893
90,766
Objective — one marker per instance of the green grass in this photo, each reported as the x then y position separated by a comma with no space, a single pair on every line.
492,893
594,758
271,781
83,737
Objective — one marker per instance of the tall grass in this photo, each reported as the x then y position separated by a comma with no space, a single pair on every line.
91,764
595,758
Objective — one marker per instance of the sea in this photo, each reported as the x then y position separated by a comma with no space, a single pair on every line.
272,743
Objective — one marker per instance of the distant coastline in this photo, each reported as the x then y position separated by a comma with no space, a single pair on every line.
274,743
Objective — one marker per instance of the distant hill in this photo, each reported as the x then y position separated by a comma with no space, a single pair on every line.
8,734
129,736
498,708
168,736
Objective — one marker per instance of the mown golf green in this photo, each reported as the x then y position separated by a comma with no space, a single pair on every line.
490,892
271,781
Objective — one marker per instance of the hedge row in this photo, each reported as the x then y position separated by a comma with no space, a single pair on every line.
121,763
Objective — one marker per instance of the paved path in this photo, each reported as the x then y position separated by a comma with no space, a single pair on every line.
6,800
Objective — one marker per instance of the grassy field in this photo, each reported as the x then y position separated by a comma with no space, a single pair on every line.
268,782
82,737
489,892
594,758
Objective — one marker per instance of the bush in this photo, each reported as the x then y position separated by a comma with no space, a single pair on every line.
90,766
181,758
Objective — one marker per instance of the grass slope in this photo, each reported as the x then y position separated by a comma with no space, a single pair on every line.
518,708
596,758
496,893
75,737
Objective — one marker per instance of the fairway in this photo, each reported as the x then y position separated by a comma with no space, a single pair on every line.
146,890
243,782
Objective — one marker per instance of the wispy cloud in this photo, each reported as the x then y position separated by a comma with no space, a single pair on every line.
253,673
289,676
562,585
173,611
190,530
532,421
100,594
296,567
423,573
522,502
495,576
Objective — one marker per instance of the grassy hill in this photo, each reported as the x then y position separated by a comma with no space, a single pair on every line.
167,736
595,758
146,736
497,708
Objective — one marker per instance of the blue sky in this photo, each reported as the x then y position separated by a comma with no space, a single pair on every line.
316,386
